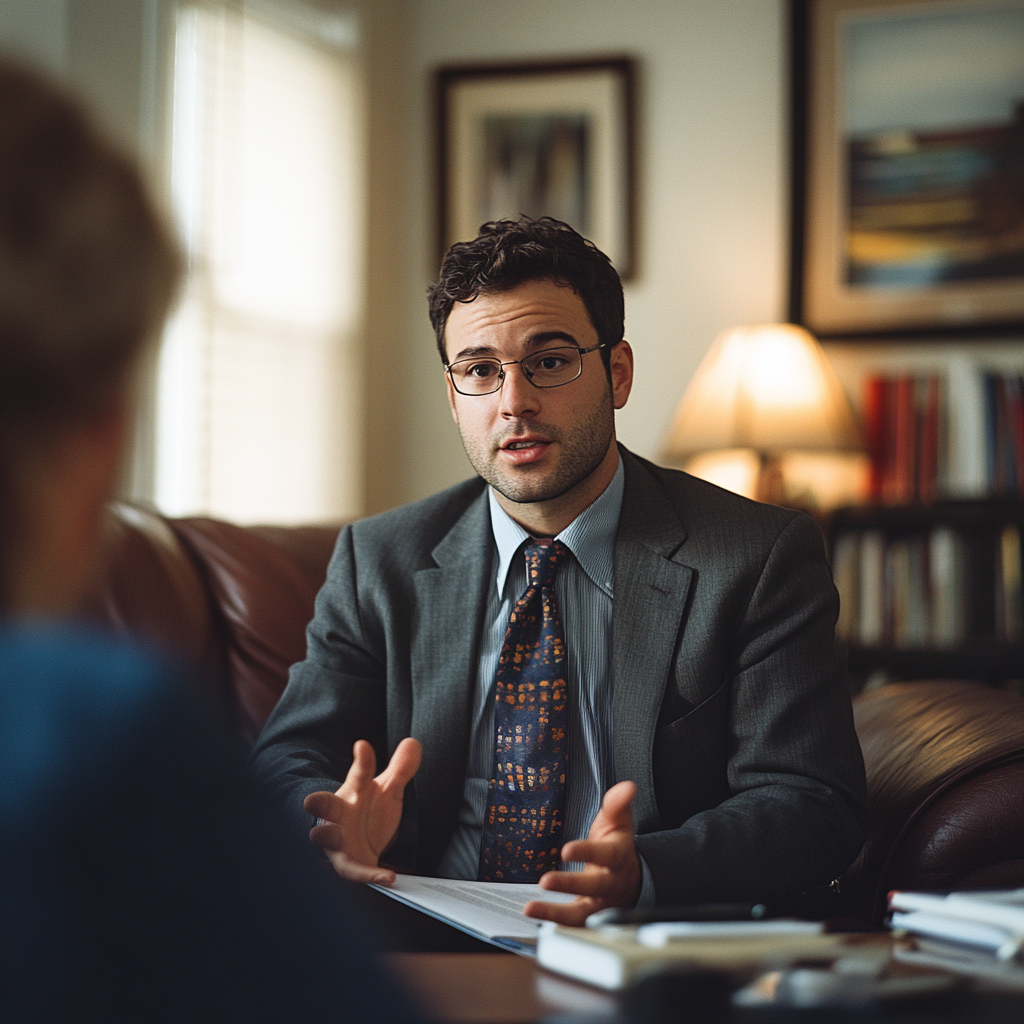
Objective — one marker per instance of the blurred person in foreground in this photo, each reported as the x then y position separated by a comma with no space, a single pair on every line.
122,896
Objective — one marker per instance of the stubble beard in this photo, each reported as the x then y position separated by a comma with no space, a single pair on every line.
581,451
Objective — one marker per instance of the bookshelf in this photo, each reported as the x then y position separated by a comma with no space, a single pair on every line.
931,591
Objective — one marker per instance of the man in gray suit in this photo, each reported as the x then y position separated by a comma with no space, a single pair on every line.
711,747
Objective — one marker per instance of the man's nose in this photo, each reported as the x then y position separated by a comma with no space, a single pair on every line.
518,396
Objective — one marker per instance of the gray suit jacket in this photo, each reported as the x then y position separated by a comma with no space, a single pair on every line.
730,709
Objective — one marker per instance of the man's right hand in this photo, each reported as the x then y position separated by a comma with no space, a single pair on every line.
360,820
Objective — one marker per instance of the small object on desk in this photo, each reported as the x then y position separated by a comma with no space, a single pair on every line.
665,933
693,912
840,986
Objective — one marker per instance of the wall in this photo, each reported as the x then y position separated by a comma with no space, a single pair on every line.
712,184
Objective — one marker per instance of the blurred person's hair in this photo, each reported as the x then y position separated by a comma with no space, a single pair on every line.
508,253
88,270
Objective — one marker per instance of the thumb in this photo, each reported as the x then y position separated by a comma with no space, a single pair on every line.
404,763
615,814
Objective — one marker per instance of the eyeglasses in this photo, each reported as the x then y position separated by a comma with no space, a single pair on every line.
548,368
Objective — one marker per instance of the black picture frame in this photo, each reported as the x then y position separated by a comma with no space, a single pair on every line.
494,120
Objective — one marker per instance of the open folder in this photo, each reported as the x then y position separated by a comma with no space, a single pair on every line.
492,911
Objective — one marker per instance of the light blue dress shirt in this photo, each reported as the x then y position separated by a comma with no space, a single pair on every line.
585,593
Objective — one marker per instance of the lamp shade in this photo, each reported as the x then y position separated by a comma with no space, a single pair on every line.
768,387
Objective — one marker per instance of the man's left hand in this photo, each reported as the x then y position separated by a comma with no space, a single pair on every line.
612,874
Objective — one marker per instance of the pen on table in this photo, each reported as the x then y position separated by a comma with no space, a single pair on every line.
622,916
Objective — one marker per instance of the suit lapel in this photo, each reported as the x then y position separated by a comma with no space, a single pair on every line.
451,599
651,588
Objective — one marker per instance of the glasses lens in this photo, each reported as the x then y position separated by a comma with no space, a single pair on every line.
476,376
553,366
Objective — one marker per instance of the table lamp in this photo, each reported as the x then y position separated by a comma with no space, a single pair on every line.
763,391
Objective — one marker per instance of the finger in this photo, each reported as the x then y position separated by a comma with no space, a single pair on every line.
571,914
615,814
367,874
605,853
327,836
597,883
323,805
404,763
364,764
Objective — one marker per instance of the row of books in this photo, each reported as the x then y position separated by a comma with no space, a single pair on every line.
917,590
907,425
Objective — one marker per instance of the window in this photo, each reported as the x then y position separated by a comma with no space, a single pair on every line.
259,415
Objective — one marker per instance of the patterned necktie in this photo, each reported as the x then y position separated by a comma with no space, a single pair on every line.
525,806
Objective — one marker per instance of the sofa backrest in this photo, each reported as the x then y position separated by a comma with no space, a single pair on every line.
232,602
945,760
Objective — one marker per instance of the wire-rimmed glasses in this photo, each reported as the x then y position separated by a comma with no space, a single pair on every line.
548,368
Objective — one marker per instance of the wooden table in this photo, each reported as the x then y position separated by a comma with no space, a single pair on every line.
474,987
502,988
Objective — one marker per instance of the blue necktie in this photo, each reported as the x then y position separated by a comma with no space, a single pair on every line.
526,801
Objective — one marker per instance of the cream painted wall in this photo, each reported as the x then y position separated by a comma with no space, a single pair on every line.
712,188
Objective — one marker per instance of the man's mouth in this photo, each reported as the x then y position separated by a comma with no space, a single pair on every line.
522,451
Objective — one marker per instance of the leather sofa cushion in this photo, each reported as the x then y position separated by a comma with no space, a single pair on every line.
945,770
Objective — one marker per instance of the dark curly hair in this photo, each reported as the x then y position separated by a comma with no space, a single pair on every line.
508,253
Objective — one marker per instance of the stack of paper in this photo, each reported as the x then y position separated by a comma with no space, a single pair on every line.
979,933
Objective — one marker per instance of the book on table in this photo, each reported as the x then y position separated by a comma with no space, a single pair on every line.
617,957
979,933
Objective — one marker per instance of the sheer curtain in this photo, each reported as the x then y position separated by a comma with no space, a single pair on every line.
259,384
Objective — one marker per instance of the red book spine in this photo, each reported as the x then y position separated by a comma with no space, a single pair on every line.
890,487
874,433
906,448
928,462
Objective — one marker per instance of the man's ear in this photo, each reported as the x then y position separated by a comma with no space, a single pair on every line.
620,366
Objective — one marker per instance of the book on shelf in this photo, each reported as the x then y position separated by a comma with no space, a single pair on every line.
913,589
908,423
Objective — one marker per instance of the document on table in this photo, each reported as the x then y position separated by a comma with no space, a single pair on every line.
492,911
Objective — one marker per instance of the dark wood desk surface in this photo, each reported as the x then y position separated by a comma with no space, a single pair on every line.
474,987
501,988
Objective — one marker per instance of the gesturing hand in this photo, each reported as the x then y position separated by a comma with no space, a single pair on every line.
612,874
360,820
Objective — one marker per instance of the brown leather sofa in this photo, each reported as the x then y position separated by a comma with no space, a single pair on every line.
945,760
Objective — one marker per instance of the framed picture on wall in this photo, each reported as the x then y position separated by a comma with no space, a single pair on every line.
551,139
908,166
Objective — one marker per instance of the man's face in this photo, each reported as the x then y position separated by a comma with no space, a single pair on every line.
537,444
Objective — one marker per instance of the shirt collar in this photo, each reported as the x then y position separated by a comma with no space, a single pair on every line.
590,536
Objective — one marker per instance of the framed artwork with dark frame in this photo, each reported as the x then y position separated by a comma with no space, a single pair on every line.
908,167
544,139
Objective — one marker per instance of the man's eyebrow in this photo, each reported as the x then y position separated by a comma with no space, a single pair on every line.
534,341
543,337
475,350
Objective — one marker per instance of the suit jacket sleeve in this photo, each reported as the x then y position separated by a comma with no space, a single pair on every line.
756,768
334,697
